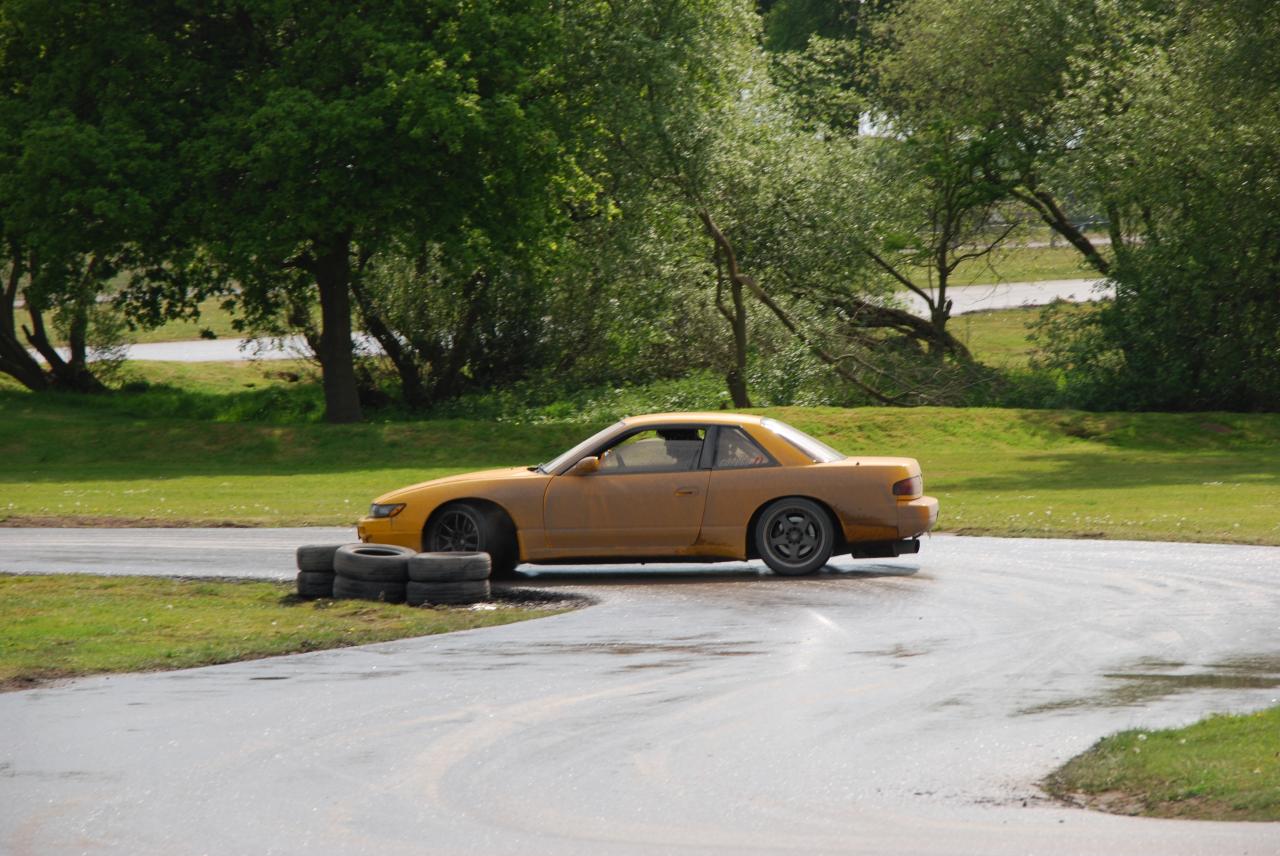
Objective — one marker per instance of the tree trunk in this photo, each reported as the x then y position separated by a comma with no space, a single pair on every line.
1055,218
736,275
736,377
411,386
873,316
940,309
446,373
332,270
76,373
15,360
73,375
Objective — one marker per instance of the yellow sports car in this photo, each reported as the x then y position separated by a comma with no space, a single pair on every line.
670,486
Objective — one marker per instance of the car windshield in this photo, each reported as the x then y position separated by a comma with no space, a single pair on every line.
817,451
579,451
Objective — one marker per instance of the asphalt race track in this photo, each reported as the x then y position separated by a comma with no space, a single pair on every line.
902,706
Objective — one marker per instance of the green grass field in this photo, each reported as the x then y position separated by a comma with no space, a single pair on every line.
67,625
232,443
997,338
1223,768
1020,264
1205,477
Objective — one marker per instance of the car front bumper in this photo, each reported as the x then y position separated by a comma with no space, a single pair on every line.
381,530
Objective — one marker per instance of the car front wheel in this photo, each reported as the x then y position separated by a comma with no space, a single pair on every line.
461,527
794,536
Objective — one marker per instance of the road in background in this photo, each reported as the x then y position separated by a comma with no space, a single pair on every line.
1010,295
225,552
902,706
966,298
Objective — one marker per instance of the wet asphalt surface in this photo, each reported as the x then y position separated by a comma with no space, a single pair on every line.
891,706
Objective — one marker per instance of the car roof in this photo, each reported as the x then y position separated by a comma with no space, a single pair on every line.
717,417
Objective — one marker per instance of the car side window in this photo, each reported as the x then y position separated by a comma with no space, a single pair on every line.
657,450
735,450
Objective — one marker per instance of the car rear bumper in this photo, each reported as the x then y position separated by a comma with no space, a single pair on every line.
917,516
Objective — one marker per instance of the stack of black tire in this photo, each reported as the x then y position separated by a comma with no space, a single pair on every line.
391,574
448,578
315,570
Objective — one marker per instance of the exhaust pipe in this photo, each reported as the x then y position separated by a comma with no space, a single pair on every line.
886,549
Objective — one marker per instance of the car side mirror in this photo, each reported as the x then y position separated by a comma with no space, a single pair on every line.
585,467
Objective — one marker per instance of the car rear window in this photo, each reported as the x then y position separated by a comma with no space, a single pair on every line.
816,450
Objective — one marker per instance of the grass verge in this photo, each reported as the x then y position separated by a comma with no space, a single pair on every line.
1223,768
63,626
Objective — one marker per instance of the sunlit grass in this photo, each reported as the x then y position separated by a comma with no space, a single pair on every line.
1223,768
997,338
68,625
1192,477
1019,264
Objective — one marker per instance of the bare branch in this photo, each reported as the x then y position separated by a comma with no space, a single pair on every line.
736,275
1047,207
875,257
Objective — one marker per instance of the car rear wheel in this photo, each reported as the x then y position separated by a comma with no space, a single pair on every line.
794,536
461,527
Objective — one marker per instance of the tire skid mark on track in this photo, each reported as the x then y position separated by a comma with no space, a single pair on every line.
877,709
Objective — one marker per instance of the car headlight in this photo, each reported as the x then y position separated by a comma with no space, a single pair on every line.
389,509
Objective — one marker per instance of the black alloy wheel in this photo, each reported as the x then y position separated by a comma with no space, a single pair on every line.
461,527
456,530
795,536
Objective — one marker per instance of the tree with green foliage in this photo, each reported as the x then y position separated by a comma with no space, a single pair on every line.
928,202
695,119
1186,156
989,75
92,108
343,132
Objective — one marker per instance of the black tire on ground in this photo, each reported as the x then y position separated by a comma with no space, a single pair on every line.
448,567
317,557
794,536
315,584
461,527
373,563
345,588
465,591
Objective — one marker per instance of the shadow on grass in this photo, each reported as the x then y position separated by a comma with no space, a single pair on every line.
51,442
1172,432
1106,470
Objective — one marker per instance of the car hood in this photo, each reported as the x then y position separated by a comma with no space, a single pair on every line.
404,493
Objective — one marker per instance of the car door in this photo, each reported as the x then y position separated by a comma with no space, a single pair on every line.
646,498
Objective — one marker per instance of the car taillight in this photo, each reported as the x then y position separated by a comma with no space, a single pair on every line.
913,486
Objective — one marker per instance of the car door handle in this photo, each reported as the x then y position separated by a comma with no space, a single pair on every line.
686,491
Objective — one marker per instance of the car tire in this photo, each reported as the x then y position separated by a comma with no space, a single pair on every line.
794,536
317,557
373,563
448,567
345,588
467,528
313,584
462,591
